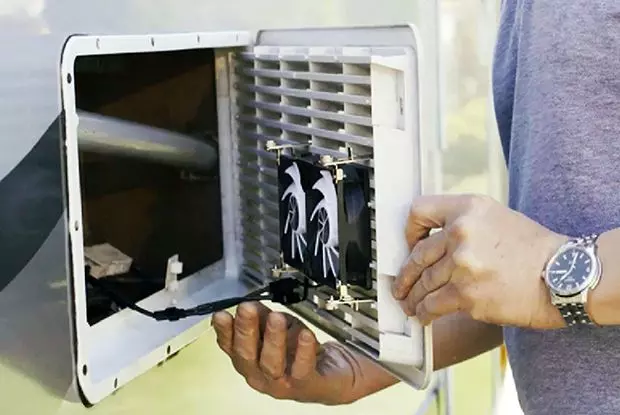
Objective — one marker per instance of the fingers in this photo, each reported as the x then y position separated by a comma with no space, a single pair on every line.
273,353
305,356
262,310
223,324
246,339
256,340
431,280
438,303
429,212
425,253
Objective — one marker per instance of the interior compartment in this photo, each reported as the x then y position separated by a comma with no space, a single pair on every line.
150,209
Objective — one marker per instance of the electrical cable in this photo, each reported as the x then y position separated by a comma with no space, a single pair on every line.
285,291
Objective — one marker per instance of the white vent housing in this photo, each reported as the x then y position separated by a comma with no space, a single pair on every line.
362,100
342,90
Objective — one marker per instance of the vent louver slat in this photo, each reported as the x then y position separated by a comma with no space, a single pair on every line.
307,94
308,76
304,58
310,112
312,131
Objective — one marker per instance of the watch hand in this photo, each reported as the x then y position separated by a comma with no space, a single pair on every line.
565,275
572,265
570,270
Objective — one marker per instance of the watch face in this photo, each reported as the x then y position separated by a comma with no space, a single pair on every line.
570,271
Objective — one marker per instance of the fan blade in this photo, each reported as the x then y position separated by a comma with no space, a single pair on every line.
288,221
317,241
301,252
324,263
330,251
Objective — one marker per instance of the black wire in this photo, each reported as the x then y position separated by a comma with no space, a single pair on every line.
219,305
283,291
117,298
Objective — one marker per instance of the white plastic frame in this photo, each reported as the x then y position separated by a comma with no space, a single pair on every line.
401,151
104,360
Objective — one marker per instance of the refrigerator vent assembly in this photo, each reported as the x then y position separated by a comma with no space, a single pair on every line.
213,165
329,157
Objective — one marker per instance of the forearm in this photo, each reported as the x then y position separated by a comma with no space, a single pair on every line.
604,301
456,338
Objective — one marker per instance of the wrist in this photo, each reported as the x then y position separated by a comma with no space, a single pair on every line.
550,316
368,377
572,279
603,299
359,376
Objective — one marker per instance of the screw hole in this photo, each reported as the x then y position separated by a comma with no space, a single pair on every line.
152,41
69,78
76,225
168,350
84,370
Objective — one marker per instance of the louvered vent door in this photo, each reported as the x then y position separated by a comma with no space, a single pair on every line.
361,101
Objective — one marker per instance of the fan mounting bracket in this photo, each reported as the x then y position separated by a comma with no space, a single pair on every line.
279,271
282,269
346,299
271,145
339,175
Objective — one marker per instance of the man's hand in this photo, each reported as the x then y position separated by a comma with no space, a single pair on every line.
486,260
279,356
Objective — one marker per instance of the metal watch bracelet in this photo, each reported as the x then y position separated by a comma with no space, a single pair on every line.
575,313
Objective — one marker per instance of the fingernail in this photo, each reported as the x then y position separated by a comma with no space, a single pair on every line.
306,337
396,289
246,311
405,307
276,322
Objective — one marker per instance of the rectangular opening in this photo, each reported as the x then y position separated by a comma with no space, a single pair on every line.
147,121
149,204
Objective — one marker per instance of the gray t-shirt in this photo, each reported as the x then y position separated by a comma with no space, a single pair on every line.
557,96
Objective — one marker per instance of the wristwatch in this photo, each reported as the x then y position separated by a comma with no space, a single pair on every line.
570,274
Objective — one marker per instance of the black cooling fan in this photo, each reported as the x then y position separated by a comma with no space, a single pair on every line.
354,226
324,224
292,187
